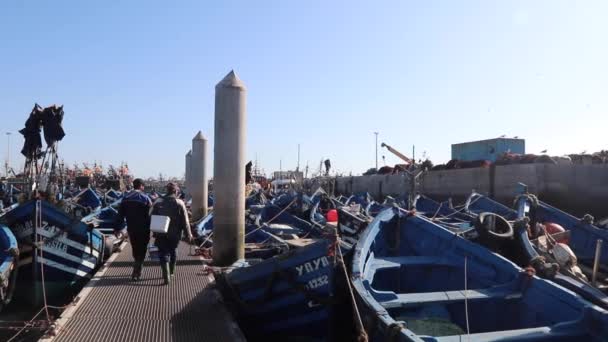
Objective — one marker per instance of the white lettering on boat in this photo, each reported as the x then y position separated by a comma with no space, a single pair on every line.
56,241
317,282
55,244
312,266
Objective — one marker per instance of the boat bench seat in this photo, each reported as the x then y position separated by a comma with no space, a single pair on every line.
396,262
529,334
414,299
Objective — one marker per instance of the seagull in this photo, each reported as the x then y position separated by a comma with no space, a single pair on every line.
543,151
585,151
502,136
515,137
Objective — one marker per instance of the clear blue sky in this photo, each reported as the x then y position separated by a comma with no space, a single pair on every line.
137,77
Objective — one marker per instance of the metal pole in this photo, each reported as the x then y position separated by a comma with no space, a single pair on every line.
8,152
596,261
414,154
229,171
376,133
298,168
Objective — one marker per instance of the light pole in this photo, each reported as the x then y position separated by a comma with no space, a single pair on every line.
376,133
8,152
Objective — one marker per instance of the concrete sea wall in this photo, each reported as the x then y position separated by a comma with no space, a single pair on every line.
577,189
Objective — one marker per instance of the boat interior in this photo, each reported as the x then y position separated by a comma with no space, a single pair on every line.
441,288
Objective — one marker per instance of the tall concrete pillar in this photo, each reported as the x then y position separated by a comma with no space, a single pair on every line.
198,176
229,171
188,176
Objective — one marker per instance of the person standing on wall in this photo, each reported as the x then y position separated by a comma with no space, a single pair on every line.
135,208
174,208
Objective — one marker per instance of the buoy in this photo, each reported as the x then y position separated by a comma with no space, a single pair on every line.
332,215
554,228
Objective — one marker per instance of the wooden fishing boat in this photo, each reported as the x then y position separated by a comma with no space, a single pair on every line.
508,232
418,281
56,250
580,234
285,297
9,258
351,223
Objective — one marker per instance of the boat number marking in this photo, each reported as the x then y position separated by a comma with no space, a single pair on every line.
54,244
317,282
312,266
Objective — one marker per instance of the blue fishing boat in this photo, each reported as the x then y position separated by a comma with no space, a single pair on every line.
341,199
477,203
104,220
322,204
443,213
84,203
112,196
374,208
259,242
418,281
583,235
285,297
55,248
256,197
573,245
285,225
506,232
285,199
351,223
9,258
361,198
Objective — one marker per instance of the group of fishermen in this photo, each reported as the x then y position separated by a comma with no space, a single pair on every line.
137,208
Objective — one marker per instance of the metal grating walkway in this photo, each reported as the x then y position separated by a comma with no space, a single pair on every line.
116,309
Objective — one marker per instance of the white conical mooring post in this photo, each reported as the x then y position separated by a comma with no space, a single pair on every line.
229,171
198,176
187,175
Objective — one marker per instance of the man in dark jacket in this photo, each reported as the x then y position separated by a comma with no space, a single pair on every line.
173,207
135,208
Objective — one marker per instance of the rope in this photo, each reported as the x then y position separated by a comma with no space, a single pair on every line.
551,242
463,208
27,324
466,298
38,223
360,329
437,212
33,323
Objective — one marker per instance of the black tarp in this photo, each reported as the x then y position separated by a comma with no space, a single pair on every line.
31,133
49,118
52,117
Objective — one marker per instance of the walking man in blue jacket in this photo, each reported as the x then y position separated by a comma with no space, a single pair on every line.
135,208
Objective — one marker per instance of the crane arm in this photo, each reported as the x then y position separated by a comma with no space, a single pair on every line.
398,154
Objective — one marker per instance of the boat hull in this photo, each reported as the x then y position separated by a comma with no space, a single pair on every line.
9,257
57,253
287,296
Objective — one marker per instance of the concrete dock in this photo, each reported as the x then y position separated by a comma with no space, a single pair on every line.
114,308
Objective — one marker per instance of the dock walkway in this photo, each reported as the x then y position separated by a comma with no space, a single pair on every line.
114,308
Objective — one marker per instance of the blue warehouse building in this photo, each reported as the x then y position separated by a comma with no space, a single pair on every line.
489,149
